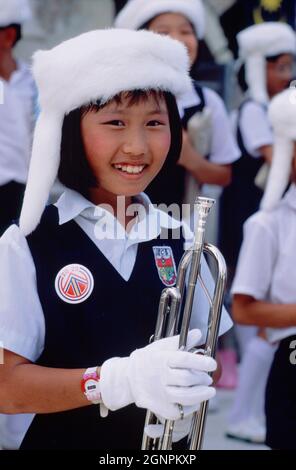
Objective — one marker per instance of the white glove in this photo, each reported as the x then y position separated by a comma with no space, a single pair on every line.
158,377
181,429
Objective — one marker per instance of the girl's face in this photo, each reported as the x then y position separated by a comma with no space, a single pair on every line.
279,74
126,145
178,27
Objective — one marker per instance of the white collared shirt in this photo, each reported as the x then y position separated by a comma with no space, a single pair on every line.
16,125
255,128
267,262
22,327
224,149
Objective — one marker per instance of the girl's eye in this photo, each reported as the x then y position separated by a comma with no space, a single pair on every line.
115,122
155,123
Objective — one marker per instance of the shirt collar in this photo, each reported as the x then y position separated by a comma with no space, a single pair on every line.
21,71
151,221
71,204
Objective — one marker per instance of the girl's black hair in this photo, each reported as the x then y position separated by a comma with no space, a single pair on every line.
241,75
18,30
241,78
75,171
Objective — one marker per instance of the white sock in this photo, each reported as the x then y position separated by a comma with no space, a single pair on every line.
264,353
253,372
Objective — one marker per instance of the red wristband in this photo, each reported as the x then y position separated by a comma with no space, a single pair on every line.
90,385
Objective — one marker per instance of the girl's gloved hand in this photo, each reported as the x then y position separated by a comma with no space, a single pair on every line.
158,377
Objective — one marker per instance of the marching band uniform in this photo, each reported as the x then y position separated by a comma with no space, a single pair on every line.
108,308
119,269
266,263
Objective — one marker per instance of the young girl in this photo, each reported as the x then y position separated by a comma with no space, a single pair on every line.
264,285
266,55
208,146
90,272
266,52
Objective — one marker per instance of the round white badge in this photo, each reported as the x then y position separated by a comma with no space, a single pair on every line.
74,283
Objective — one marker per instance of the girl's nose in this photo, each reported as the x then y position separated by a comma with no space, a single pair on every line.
135,143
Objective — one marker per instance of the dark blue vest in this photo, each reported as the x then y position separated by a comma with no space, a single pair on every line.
117,318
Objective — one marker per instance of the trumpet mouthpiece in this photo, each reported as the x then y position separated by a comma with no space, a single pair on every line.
204,204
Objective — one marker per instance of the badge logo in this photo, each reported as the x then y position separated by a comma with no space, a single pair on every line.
165,263
74,283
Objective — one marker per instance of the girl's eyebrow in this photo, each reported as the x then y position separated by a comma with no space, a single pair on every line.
122,111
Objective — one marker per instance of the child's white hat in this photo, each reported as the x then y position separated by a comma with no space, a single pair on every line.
255,44
93,66
138,12
282,116
14,12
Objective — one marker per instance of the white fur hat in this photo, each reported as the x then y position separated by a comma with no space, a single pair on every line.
282,116
14,12
138,12
93,66
258,42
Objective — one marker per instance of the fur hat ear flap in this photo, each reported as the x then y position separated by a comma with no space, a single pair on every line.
282,116
256,78
279,173
43,170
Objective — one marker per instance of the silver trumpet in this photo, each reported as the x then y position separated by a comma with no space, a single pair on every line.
170,317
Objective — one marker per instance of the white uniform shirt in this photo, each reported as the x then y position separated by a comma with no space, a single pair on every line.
267,263
22,326
16,125
224,149
255,128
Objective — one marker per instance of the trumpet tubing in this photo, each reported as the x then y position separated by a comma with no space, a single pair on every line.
169,315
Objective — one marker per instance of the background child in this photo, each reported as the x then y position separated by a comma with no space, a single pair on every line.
16,123
263,288
266,55
91,274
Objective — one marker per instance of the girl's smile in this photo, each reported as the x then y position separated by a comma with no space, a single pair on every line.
129,169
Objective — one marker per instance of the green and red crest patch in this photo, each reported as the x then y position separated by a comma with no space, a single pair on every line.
165,263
